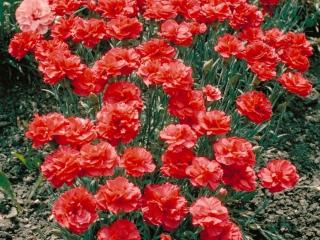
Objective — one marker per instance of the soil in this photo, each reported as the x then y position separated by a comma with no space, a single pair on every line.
293,214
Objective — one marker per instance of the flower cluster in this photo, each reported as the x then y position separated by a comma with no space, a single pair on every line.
103,148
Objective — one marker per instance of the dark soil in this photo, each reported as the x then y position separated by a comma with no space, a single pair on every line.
290,215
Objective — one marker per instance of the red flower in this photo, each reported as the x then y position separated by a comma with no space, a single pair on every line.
22,43
61,166
296,83
214,11
77,132
162,205
209,212
179,135
159,9
234,151
230,232
186,105
62,29
75,210
240,178
175,162
43,128
278,175
246,15
274,37
155,49
229,45
295,59
298,41
124,28
87,83
149,69
165,237
123,92
98,160
89,32
118,123
204,173
116,8
118,195
212,93
251,34
121,229
116,62
213,123
254,105
137,161
65,7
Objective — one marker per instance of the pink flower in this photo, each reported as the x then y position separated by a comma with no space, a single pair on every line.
34,15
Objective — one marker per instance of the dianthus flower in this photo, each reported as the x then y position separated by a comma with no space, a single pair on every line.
63,28
65,7
121,229
98,159
43,128
204,172
162,205
159,9
214,11
296,83
123,92
118,195
240,178
77,132
251,34
118,123
255,106
278,175
124,28
22,43
61,166
137,161
209,212
116,8
229,232
165,237
75,210
179,135
229,45
34,15
234,151
211,93
175,162
213,123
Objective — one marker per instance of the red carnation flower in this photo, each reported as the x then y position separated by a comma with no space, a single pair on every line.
137,161
119,230
98,160
77,132
209,212
295,59
213,123
88,83
234,151
251,34
212,93
298,41
278,175
123,92
246,15
118,123
179,135
214,11
149,69
62,29
254,105
159,9
229,45
118,195
296,83
61,166
89,32
124,28
240,178
165,237
116,8
274,37
204,173
75,210
43,128
116,62
162,205
230,232
155,49
65,7
22,43
175,162
186,105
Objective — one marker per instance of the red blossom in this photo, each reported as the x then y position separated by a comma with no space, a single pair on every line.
124,28
212,93
119,230
229,45
296,83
